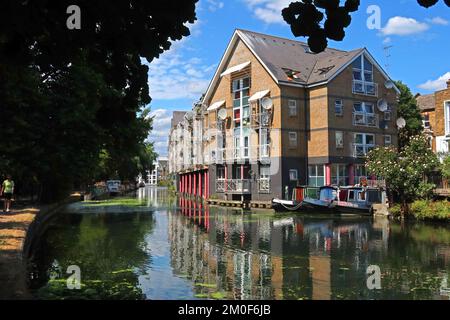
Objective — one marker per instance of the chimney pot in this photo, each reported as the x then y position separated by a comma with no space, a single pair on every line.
448,83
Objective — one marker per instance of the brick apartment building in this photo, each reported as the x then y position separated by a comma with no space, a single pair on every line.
276,115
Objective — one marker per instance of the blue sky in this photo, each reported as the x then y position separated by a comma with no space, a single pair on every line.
419,54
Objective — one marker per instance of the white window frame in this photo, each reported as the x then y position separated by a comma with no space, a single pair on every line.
339,102
339,145
293,142
363,82
292,104
447,117
426,123
315,176
366,147
240,150
364,115
338,176
293,175
387,139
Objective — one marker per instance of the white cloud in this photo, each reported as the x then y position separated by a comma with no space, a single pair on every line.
173,76
439,21
268,11
160,133
214,5
435,85
403,26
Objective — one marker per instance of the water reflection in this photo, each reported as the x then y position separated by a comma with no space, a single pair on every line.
185,250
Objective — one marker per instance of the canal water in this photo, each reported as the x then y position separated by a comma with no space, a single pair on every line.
153,246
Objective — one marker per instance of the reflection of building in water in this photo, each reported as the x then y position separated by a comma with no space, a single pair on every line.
256,257
153,196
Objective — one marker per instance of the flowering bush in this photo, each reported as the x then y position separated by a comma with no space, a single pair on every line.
404,170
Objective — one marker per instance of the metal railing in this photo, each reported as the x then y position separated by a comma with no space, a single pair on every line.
361,150
242,186
366,88
365,119
264,185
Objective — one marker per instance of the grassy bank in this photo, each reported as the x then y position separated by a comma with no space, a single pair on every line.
426,210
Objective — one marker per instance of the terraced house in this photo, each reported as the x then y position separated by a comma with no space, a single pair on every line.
276,115
435,110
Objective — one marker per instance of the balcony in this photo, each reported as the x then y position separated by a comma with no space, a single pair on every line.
365,119
217,156
264,152
264,185
261,120
365,88
233,186
361,150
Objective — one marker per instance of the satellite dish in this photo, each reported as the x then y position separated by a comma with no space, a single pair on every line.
382,105
266,103
389,84
401,123
222,114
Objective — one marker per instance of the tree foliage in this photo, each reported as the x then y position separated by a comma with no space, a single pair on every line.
305,18
73,102
446,167
404,170
408,110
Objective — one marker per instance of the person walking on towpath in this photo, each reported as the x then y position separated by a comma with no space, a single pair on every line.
7,191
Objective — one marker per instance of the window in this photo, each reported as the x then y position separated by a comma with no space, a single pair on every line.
360,173
339,139
220,173
364,114
292,108
241,116
293,175
292,139
316,175
426,121
387,114
363,143
338,108
339,174
363,77
447,117
387,140
264,178
264,143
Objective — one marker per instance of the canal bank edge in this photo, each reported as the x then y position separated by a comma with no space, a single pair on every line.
15,284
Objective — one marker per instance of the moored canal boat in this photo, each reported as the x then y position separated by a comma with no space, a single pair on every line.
296,204
325,201
357,199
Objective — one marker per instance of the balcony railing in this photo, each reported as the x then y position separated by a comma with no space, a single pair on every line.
264,185
361,150
365,119
237,186
260,120
366,88
264,151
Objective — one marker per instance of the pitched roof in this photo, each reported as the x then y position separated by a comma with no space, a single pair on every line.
291,62
426,102
282,56
177,117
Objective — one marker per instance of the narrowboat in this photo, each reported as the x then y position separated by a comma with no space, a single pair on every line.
358,200
290,205
325,201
